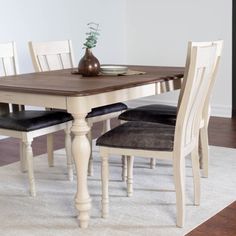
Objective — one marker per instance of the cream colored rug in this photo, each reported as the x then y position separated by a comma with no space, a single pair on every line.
151,211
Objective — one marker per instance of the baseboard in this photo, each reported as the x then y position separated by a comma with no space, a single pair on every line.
221,111
216,110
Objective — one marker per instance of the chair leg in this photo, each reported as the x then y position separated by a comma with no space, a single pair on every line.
69,152
152,163
123,162
124,168
22,157
106,125
29,159
204,151
105,181
90,164
179,180
196,176
50,150
130,165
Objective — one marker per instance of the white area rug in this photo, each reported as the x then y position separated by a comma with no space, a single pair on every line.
151,211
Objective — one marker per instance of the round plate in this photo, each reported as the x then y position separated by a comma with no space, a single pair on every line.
113,70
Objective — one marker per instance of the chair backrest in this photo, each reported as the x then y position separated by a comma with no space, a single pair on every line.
198,79
52,55
206,110
8,66
219,46
8,59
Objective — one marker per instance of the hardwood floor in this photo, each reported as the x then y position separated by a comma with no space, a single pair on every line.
222,224
222,132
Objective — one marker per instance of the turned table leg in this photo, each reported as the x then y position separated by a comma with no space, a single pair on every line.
81,153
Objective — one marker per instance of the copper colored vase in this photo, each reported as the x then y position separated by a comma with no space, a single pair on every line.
89,64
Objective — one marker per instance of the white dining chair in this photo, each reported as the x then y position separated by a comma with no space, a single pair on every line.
58,55
166,142
166,114
16,122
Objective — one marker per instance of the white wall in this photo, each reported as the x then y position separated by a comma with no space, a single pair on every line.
42,20
158,32
153,32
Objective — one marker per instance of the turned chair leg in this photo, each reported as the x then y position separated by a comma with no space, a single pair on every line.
130,165
29,159
124,168
50,150
106,126
68,151
152,163
123,162
105,182
22,157
179,180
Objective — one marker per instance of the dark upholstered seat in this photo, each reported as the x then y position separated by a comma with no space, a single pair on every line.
151,113
140,135
103,110
33,120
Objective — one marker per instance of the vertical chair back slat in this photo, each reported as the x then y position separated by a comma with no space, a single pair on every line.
206,110
46,62
4,66
8,66
54,55
198,79
219,46
61,61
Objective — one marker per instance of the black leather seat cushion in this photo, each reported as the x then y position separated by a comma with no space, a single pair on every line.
140,135
99,111
33,120
151,113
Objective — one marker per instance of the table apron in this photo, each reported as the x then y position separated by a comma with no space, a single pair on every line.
32,99
84,104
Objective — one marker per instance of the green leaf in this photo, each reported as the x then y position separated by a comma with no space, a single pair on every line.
92,35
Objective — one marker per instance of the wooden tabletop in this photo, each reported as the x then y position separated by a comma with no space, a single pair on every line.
64,83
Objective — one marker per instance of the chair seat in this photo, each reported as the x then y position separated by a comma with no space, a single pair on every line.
103,110
156,113
33,120
140,135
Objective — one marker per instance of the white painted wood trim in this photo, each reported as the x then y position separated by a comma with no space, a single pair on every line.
40,100
84,104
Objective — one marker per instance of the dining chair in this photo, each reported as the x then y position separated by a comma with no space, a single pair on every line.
165,114
58,55
162,141
16,122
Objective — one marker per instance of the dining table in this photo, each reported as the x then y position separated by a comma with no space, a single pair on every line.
63,89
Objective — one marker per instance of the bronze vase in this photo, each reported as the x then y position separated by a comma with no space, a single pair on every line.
89,64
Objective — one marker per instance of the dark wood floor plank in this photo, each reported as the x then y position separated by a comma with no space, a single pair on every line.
222,132
222,224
